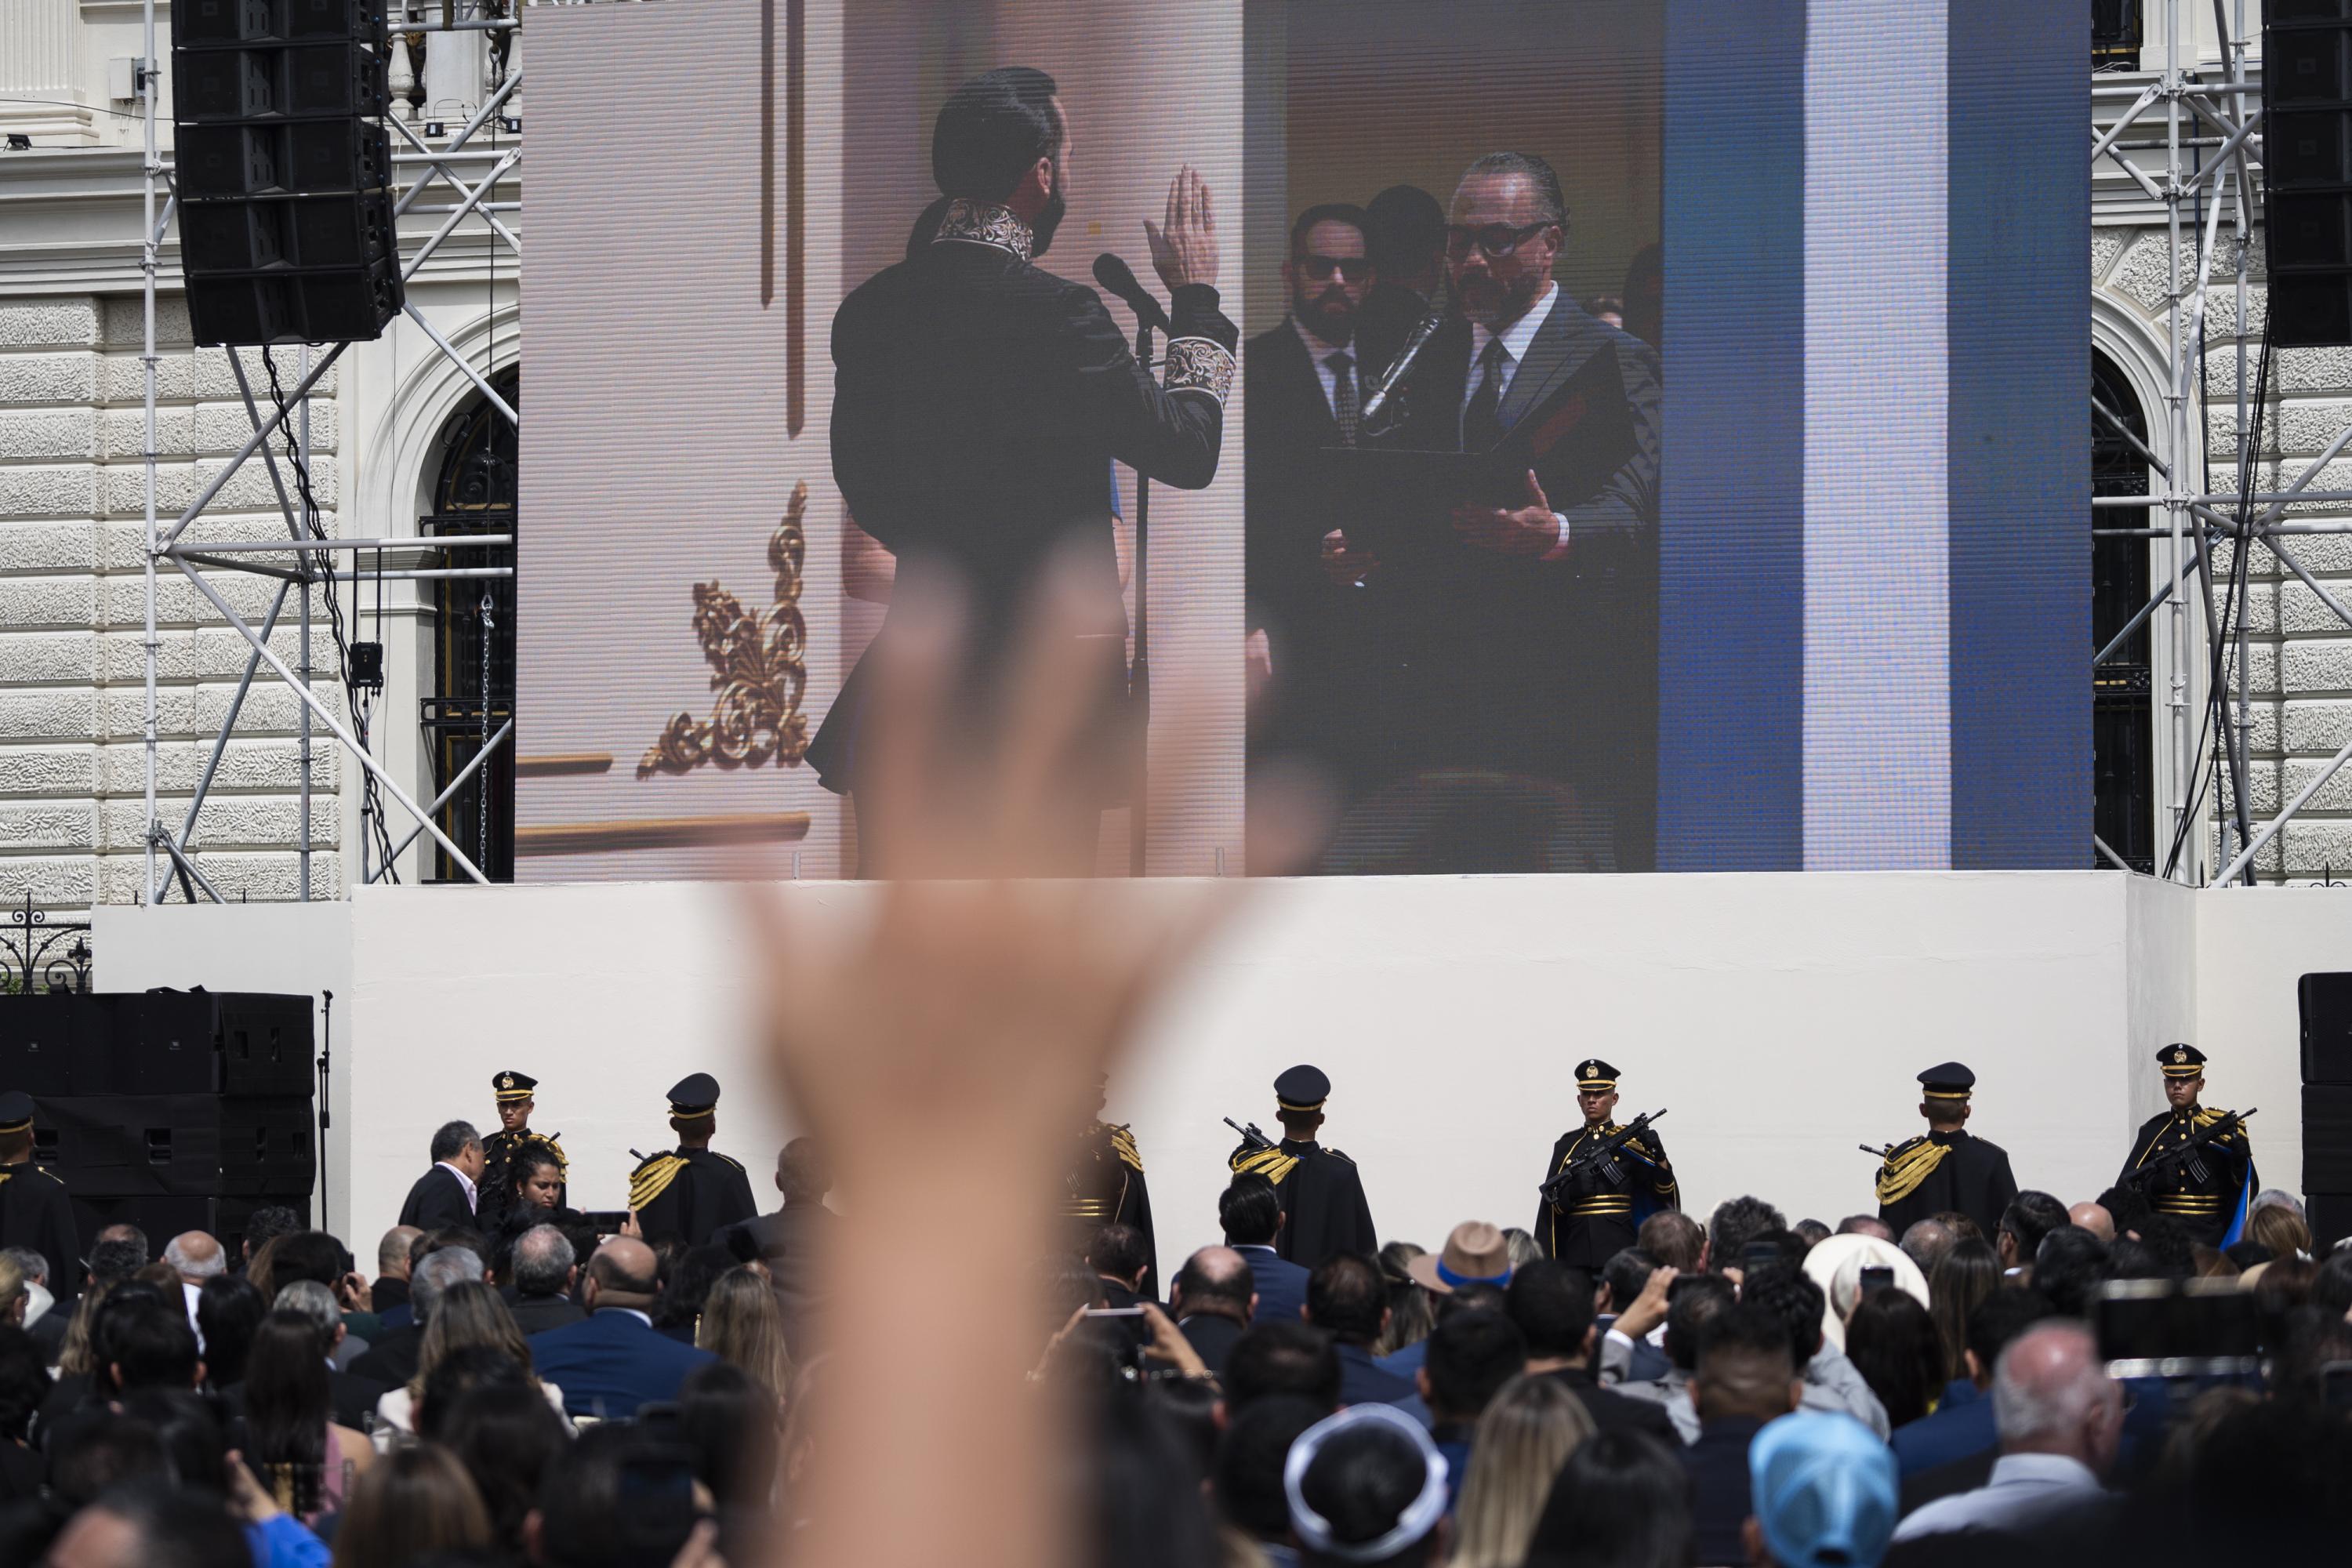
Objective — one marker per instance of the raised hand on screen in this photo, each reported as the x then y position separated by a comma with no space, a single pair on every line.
1184,245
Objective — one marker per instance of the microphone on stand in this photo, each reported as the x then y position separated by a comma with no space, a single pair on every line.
1425,329
1120,278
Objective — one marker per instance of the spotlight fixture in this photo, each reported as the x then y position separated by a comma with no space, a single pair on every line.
19,142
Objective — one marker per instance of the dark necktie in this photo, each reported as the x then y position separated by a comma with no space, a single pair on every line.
1343,395
1481,431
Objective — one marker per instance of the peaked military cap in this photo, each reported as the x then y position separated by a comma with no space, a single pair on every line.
15,1110
2181,1061
512,1086
1594,1076
697,1094
1948,1081
1302,1089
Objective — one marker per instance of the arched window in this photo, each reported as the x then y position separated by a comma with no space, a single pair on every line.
2123,741
472,696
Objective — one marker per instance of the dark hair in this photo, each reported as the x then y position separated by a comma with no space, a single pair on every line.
1327,212
2331,1287
690,1285
288,1405
2005,1314
267,1224
1118,1251
87,1457
2068,1264
1786,1247
2126,1209
1811,1232
150,1338
1403,228
192,1431
1673,1238
1360,1481
112,1262
228,1309
1346,1298
1189,1408
1250,1210
1692,1308
1623,1501
1745,1327
1471,1356
2247,1254
452,1139
1248,1477
1789,1295
1281,1358
308,1255
507,1436
1412,1311
464,1371
1552,1305
178,1528
1626,1274
1200,1289
586,1520
992,131
410,1505
1147,1510
1962,1278
2029,1217
728,1418
24,1382
1735,1221
1551,204
1893,1342
801,1170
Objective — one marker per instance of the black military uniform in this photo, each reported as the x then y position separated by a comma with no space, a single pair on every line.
1322,1197
1105,1186
690,1195
503,1172
1597,1219
2207,1195
35,1209
1939,1171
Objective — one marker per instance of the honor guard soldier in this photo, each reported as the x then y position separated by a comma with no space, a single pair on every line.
1105,1186
504,1148
1945,1168
2207,1192
35,1210
1598,1213
1323,1205
690,1195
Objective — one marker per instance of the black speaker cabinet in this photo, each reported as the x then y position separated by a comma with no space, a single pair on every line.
2308,170
2324,1003
182,1145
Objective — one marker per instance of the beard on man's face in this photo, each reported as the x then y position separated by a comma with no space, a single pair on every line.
1486,299
1330,315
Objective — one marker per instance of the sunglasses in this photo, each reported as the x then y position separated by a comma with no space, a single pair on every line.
1496,240
1354,269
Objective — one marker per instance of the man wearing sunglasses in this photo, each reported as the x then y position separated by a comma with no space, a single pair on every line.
1305,381
1524,626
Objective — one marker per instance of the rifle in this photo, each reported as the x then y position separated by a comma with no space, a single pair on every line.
1252,1140
1599,1157
2199,1171
1884,1153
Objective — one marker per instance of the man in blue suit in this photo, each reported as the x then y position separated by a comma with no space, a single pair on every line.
614,1360
1251,1212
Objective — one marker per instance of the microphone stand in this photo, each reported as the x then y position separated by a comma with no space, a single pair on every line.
326,1059
1139,680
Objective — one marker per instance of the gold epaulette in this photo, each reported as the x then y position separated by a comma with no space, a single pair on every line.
732,1160
1271,1164
1122,1142
555,1147
653,1178
1900,1175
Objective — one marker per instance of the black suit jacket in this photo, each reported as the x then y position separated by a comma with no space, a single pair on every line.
978,402
36,1212
1613,1412
792,1243
1972,1178
537,1314
1211,1337
437,1202
1720,1487
392,1359
1542,669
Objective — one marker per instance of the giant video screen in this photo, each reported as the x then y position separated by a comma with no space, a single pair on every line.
1587,436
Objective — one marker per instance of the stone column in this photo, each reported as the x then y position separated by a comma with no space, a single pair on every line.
41,55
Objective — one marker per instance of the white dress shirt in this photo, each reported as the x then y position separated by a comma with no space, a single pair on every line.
1317,352
2025,1487
472,1197
1518,338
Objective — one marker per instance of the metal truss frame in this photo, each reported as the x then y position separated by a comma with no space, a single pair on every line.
171,854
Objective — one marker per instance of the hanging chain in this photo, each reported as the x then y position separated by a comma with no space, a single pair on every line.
482,765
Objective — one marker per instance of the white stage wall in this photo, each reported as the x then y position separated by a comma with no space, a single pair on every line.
1779,1018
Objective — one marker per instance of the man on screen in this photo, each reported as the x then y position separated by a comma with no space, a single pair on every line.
978,402
1523,621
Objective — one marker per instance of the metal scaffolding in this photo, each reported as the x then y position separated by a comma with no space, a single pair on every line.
297,564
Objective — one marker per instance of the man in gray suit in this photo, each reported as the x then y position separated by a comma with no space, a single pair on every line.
1524,618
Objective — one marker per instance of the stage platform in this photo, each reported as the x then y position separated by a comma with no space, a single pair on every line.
1779,1018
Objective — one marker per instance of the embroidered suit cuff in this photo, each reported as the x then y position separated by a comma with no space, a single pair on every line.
1198,364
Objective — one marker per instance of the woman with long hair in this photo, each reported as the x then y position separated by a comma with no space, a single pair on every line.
1895,1345
229,1311
1957,1287
1410,1314
1529,1429
469,1313
741,1323
307,1462
686,1286
418,1503
1621,1501
509,1439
